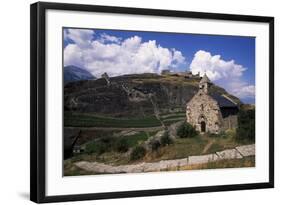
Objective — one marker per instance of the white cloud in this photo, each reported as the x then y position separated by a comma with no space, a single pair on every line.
242,90
116,56
108,38
227,74
215,67
73,55
81,37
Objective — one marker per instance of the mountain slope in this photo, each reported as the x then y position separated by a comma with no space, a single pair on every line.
73,73
137,95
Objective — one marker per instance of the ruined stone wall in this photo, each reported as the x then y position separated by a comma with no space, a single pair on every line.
203,108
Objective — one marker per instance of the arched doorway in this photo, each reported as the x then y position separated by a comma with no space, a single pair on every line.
203,126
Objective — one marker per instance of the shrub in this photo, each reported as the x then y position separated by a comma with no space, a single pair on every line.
165,139
246,125
90,148
122,145
155,145
186,130
137,153
100,146
230,133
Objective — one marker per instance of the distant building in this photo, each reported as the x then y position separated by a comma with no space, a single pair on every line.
185,74
106,77
211,112
165,72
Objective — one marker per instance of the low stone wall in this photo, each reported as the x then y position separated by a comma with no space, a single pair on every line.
236,153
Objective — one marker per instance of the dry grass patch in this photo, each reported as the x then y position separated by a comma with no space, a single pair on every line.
221,164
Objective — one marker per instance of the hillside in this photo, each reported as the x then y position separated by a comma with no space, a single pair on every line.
73,73
143,104
137,95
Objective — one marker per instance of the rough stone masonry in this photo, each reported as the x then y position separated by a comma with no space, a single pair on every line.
209,112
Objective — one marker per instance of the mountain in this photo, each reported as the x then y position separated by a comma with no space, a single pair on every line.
135,95
72,73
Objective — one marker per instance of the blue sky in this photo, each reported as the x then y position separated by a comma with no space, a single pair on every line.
229,61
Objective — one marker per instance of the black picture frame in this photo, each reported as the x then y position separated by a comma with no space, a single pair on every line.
38,101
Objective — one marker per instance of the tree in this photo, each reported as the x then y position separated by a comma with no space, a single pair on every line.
137,153
246,125
186,130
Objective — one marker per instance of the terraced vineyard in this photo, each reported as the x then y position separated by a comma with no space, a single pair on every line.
86,120
169,119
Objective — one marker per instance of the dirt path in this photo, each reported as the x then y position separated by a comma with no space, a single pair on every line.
207,147
156,111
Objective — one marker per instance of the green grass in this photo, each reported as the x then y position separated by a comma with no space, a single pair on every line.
221,164
171,121
106,152
109,144
231,163
134,140
85,120
226,140
181,148
173,116
170,118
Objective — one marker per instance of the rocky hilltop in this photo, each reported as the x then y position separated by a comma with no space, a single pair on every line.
134,95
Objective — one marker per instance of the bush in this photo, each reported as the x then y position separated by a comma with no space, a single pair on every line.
230,133
99,146
90,148
155,145
137,153
186,130
165,139
122,145
246,125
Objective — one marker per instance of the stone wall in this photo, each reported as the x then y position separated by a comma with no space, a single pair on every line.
203,109
235,153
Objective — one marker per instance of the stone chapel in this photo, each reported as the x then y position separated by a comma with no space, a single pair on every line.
211,112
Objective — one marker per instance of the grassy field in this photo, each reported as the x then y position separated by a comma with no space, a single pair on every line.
169,119
106,151
134,140
86,120
181,148
173,116
110,142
